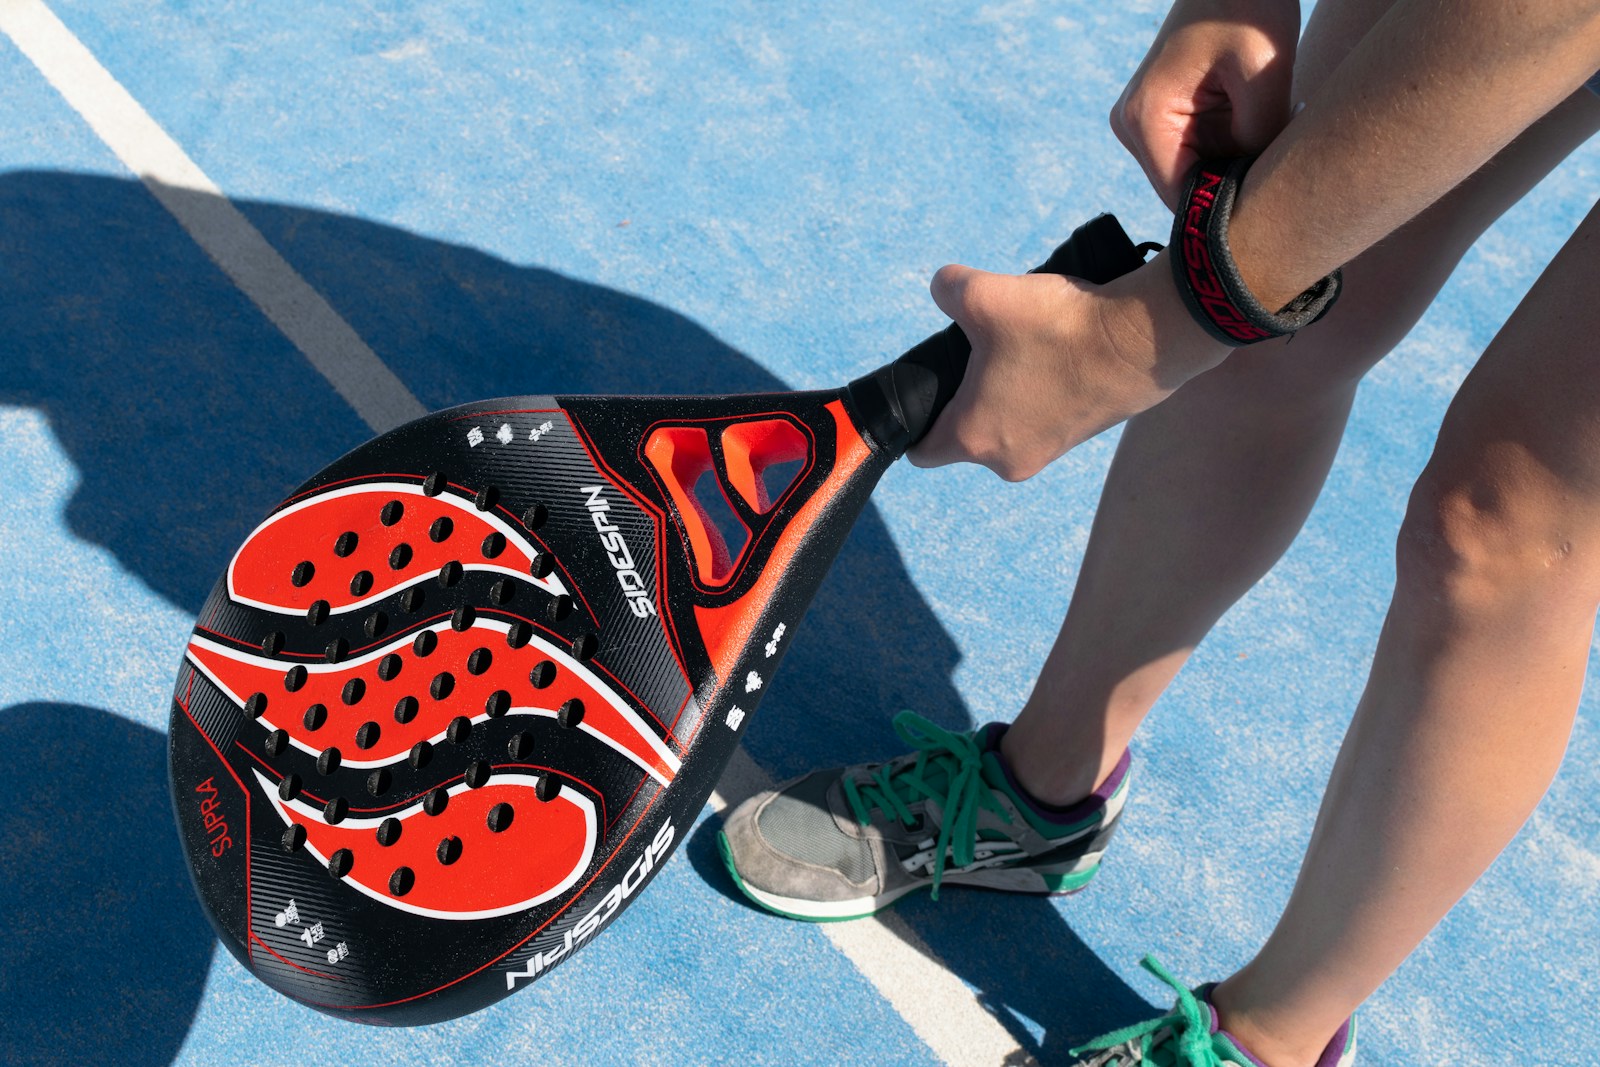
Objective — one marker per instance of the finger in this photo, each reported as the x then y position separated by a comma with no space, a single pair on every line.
1260,107
1168,167
1159,140
940,447
949,289
981,302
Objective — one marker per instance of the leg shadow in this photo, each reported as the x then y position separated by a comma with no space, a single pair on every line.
106,951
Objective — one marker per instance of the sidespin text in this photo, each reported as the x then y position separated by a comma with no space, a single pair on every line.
617,553
602,912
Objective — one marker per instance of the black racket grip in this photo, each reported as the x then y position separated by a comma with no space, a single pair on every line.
898,404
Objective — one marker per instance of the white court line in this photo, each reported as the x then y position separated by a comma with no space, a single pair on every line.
318,331
939,1008
890,955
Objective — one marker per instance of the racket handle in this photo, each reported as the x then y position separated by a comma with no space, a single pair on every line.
898,404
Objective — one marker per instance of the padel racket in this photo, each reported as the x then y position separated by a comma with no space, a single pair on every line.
457,699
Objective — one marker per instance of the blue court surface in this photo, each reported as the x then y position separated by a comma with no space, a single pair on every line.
492,198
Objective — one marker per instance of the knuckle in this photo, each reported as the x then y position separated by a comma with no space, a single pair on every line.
1017,469
948,288
988,450
1129,113
946,280
974,447
1119,123
970,297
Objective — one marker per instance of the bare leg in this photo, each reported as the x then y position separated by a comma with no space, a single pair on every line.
1235,460
1476,677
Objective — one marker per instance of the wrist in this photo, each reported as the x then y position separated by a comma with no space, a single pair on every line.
1149,325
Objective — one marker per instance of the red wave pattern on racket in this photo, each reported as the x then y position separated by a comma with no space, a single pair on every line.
501,669
298,544
545,848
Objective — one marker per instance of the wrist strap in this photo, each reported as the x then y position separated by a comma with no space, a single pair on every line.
1209,279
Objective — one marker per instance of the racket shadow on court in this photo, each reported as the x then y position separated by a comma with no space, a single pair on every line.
188,416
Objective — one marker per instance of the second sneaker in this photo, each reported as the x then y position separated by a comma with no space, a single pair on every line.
846,843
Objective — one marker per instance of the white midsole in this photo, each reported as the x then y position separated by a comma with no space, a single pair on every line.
826,909
1011,879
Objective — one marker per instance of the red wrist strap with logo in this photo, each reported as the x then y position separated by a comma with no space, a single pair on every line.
1209,279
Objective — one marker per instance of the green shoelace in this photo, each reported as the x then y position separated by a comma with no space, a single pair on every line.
948,769
1181,1038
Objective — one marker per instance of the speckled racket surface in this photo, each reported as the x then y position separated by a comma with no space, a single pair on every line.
455,700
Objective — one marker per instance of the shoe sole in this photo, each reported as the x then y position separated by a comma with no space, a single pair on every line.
1004,879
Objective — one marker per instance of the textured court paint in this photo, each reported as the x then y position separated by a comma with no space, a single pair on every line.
790,180
80,589
325,339
40,129
535,136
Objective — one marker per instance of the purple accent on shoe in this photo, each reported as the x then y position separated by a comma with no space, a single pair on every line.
989,737
1336,1048
1330,1055
1204,995
1239,1045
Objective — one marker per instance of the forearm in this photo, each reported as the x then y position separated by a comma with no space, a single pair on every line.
1426,98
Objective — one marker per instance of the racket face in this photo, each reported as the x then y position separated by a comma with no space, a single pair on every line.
455,701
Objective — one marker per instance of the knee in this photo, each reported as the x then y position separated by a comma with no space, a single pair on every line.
1494,534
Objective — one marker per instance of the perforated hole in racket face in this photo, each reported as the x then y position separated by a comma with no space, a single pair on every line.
453,702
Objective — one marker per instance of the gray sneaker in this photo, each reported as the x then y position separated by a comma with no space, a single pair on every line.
846,843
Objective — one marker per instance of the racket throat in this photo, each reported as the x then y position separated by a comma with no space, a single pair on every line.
897,404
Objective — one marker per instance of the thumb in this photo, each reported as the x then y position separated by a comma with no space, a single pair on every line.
950,287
